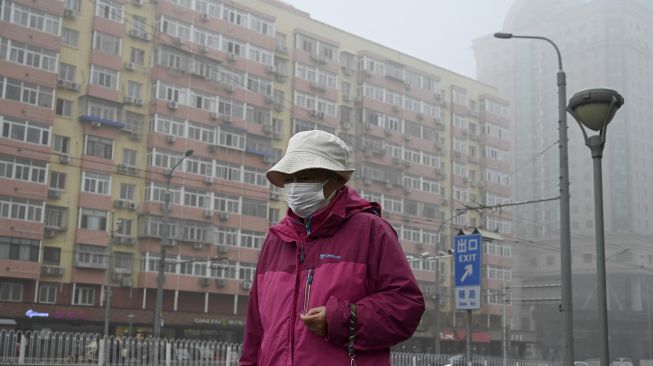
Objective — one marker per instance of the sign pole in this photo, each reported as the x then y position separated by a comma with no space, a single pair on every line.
468,337
467,267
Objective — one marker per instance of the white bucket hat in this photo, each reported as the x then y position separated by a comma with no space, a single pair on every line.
313,149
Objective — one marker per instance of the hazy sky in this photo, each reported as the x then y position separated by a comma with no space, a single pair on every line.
437,31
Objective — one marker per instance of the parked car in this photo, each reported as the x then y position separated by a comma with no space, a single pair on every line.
459,360
622,361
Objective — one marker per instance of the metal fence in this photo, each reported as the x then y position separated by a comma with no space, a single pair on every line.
64,348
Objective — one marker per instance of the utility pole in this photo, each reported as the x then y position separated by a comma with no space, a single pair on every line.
107,305
504,296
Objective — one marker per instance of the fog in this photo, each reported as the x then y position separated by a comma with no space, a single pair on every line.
603,43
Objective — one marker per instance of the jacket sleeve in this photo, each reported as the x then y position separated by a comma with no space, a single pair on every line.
391,313
253,329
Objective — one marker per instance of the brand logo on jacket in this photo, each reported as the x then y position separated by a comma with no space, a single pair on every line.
330,258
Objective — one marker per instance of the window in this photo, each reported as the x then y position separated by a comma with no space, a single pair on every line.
84,296
66,72
104,77
64,107
96,183
110,10
99,146
19,249
22,169
123,262
134,89
106,43
70,37
28,93
61,144
51,256
72,5
129,157
140,23
252,207
124,227
93,219
133,122
16,208
101,109
56,217
47,294
11,291
127,191
58,180
29,55
137,56
31,18
25,131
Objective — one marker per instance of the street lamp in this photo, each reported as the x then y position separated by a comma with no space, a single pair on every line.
594,109
425,256
165,241
565,234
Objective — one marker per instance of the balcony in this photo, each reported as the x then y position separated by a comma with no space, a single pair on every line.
99,122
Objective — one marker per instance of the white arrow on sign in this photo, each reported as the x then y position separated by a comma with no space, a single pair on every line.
468,272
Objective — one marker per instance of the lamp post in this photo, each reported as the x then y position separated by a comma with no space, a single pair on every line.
565,235
594,109
427,257
107,307
165,241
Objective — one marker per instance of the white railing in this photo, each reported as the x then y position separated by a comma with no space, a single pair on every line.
66,348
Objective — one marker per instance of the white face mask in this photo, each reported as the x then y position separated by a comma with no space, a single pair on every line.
304,199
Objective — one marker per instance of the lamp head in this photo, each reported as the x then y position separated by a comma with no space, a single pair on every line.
595,108
503,35
189,152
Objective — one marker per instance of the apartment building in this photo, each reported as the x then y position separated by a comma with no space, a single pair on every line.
603,43
122,89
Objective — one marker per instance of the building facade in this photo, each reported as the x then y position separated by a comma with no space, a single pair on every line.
604,43
100,98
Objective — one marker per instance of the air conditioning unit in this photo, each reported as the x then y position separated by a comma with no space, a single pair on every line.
198,246
396,108
54,193
408,137
69,13
214,116
269,159
208,180
231,57
220,282
126,280
130,66
50,233
122,168
128,100
420,116
57,271
134,33
271,69
73,86
226,118
204,16
408,190
96,124
120,204
396,161
178,41
345,125
135,136
203,50
204,281
223,216
138,102
172,104
346,98
387,132
313,112
208,214
171,139
406,163
320,115
247,285
213,148
367,181
138,2
132,206
222,249
65,159
268,128
407,86
388,184
229,88
274,196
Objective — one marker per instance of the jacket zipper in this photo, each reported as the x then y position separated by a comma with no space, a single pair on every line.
307,290
293,317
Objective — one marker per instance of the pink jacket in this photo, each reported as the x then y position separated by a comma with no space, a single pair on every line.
347,254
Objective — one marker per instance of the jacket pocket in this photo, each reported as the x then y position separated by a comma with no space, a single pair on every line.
307,290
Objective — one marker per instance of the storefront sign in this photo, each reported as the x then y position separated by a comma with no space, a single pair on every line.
220,322
58,314
34,314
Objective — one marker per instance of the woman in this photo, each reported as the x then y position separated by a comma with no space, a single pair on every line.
332,284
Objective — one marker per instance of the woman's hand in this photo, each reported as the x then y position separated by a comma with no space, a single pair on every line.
315,320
